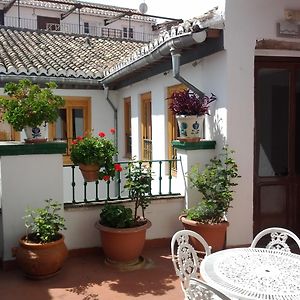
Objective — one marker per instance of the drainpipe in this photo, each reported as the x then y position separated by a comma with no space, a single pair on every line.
106,91
176,72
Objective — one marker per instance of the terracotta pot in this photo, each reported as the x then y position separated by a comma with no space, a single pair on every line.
214,234
123,244
40,261
90,172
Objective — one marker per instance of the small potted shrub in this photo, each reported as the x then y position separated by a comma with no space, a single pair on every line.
122,230
29,107
190,109
42,250
95,156
215,183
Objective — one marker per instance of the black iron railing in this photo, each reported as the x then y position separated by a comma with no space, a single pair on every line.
79,29
81,192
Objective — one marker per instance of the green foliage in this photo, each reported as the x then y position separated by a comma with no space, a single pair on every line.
30,105
99,150
116,216
215,184
138,183
43,224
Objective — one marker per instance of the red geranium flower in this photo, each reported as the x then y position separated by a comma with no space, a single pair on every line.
74,142
101,134
112,130
79,138
106,177
118,167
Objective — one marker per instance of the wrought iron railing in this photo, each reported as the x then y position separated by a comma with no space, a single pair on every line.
79,29
81,192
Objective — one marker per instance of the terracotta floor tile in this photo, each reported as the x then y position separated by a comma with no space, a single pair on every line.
89,278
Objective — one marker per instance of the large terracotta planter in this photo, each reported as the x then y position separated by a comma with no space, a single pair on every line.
214,234
90,172
123,245
40,261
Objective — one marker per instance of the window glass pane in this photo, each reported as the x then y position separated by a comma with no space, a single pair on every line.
77,122
61,125
297,118
272,117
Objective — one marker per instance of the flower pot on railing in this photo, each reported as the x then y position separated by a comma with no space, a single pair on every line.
90,172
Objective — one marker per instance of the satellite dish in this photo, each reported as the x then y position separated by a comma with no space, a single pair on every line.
143,8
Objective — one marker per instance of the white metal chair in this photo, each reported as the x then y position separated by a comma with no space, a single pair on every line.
281,239
200,290
188,248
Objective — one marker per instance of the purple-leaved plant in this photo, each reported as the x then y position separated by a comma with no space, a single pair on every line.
186,102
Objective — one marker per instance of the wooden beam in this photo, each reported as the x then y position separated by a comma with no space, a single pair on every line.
8,6
277,45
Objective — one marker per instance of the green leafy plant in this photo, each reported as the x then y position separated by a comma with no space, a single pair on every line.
138,183
116,216
30,105
100,150
43,224
215,184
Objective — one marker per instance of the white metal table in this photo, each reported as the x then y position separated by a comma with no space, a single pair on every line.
253,273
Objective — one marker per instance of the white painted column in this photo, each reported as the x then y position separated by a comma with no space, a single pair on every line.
29,175
190,154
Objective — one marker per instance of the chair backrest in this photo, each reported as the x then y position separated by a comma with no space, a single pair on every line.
187,257
200,290
280,239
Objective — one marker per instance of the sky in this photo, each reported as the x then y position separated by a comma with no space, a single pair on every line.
166,8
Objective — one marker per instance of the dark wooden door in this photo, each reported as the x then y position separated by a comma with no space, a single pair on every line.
277,144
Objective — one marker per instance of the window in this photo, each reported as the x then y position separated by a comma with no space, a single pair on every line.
146,126
127,126
74,120
172,125
86,28
48,23
127,33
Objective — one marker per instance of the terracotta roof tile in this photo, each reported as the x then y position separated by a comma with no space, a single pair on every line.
55,54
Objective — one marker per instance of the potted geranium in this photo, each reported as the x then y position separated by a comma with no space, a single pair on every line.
215,183
123,230
190,109
42,251
29,107
95,156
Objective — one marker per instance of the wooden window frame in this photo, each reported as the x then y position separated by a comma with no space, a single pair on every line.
146,128
71,103
127,127
172,124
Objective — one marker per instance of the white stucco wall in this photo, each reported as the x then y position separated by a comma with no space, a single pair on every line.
229,74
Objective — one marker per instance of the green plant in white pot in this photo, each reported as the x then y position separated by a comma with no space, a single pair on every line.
29,105
215,183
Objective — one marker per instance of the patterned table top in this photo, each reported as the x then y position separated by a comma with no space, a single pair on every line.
254,273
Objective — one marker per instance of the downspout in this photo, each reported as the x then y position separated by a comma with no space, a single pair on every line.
115,110
176,72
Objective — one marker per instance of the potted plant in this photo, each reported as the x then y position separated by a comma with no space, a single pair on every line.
189,110
95,156
215,183
29,107
122,230
42,250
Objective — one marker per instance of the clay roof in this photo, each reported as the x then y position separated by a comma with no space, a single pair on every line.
30,52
